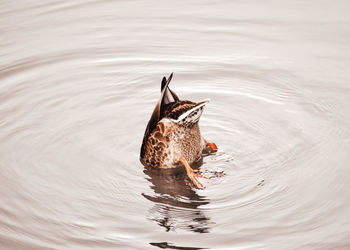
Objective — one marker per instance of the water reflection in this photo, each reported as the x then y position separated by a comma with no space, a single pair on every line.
166,245
177,204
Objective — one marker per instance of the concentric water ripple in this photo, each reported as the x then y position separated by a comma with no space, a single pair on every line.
79,81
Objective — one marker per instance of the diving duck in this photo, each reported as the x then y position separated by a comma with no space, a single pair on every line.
172,135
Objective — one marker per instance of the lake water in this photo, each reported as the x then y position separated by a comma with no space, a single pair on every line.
79,81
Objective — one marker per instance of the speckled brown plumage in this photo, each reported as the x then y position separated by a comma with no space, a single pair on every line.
169,141
171,132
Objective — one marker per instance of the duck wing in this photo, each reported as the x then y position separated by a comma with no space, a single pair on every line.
165,96
192,115
185,113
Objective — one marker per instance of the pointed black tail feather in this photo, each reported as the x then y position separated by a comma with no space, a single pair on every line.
165,81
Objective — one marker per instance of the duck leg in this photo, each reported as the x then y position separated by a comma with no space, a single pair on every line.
192,174
212,146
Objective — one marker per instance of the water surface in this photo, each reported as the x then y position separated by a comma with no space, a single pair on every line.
79,81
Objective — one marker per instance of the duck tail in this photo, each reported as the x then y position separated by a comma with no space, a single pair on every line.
169,95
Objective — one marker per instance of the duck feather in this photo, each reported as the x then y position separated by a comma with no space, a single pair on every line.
156,115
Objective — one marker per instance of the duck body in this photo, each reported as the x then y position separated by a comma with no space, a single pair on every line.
170,139
172,135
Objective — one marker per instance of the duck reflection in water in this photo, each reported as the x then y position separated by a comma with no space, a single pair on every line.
177,205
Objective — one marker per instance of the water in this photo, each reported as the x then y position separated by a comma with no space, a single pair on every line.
78,83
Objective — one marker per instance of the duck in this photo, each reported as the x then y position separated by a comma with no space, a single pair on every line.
172,137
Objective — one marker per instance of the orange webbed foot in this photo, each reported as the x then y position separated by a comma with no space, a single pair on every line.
212,146
192,174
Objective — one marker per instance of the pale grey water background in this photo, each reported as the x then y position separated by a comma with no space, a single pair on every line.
79,80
